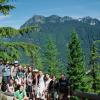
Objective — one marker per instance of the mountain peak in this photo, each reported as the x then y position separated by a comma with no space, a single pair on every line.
53,19
38,19
90,20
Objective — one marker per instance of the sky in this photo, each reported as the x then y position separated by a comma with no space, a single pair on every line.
25,9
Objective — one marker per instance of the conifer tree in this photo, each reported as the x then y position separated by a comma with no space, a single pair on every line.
38,59
5,7
76,70
95,69
51,57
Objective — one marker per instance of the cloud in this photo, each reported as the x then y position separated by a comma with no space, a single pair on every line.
2,17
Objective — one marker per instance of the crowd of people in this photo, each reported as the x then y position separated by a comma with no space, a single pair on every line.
28,83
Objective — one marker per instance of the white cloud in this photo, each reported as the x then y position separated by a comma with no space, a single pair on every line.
2,17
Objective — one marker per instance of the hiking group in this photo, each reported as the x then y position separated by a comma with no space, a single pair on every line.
28,83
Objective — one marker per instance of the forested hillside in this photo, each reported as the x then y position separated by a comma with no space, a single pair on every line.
60,29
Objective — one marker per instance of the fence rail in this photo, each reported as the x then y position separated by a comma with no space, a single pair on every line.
89,96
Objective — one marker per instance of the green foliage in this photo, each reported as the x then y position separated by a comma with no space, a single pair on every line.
38,60
11,50
51,58
8,31
76,70
75,98
11,32
95,69
28,29
5,7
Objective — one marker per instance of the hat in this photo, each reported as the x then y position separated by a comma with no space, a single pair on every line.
35,70
16,62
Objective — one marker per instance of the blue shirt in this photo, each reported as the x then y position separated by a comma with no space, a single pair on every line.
6,71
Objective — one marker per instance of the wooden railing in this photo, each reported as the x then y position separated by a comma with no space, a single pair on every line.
88,96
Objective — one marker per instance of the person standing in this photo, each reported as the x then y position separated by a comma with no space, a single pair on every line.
5,76
1,67
29,81
6,73
20,76
40,93
35,77
53,89
14,70
47,81
63,88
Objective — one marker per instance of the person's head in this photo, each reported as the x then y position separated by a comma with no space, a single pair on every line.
35,74
21,88
53,77
7,63
36,71
47,76
29,69
16,63
25,69
63,76
20,68
40,73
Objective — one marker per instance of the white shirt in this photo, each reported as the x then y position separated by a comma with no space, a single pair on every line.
47,84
